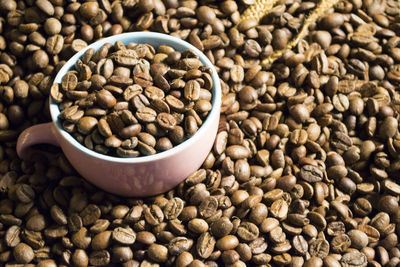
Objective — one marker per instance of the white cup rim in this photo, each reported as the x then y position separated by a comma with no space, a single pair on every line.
148,37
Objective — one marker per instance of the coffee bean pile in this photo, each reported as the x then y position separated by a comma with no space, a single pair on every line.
133,100
304,170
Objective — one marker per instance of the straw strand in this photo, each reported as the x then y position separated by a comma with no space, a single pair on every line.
258,10
319,11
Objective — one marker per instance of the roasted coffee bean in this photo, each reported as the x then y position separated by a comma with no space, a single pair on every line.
173,208
205,245
23,253
90,214
36,223
208,207
105,99
227,242
198,226
358,238
154,215
12,236
354,259
179,244
81,239
124,236
101,240
279,209
145,237
221,227
300,244
25,193
311,173
99,258
158,253
247,231
79,258
319,248
340,243
192,90
166,121
372,233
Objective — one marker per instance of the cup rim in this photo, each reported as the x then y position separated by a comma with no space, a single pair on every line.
213,114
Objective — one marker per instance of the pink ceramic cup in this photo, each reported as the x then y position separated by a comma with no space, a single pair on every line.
142,176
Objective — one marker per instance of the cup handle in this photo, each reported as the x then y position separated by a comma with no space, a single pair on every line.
37,134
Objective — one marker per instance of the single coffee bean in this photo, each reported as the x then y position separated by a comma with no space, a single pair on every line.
221,227
358,238
198,226
319,248
23,253
122,254
158,253
36,223
311,173
227,242
179,244
80,258
105,99
192,90
354,259
12,236
372,233
25,193
230,256
340,243
277,235
90,214
99,258
166,121
300,244
279,209
314,261
101,240
124,236
81,239
205,14
247,231
145,237
205,245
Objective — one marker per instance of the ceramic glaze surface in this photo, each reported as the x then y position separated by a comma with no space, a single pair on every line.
142,176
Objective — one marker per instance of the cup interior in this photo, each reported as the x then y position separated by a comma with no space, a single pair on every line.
154,39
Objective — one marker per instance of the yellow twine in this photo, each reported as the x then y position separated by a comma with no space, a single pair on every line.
258,10
319,11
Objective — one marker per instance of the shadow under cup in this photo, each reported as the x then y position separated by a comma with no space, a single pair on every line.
141,176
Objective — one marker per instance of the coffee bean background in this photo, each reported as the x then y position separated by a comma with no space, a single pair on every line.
304,170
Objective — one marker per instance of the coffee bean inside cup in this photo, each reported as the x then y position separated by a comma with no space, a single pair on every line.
131,100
